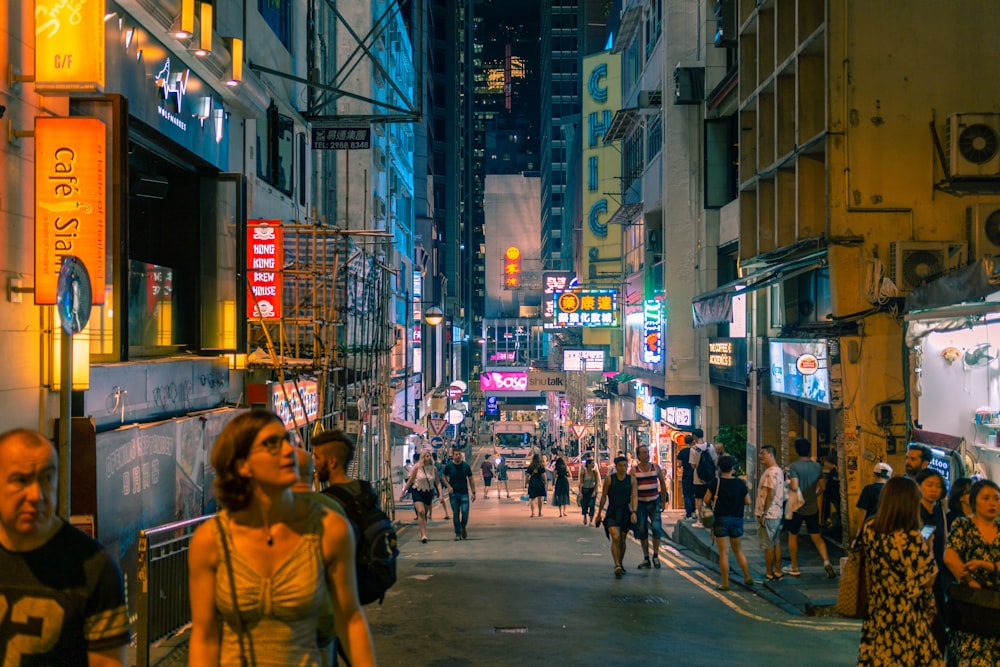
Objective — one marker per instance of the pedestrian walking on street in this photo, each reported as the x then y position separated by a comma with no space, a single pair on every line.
486,468
686,471
66,584
730,496
973,556
620,491
651,493
536,484
444,505
501,465
769,510
461,486
807,477
422,483
266,537
958,500
932,518
900,573
701,478
588,483
560,496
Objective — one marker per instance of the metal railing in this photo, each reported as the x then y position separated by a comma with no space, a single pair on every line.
163,603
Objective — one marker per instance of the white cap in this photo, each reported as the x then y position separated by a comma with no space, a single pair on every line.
883,469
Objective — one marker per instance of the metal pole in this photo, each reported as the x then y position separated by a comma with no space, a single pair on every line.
65,422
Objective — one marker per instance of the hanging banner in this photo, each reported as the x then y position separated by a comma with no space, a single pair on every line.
70,201
264,263
69,48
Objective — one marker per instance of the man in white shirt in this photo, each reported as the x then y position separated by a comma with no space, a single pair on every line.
770,499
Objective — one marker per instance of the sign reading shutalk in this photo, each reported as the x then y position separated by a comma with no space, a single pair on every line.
70,201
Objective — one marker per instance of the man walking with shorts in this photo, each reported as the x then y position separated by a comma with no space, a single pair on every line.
807,477
651,492
770,502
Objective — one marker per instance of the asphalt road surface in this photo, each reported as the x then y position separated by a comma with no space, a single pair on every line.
526,591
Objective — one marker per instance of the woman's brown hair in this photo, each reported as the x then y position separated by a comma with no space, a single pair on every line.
232,490
898,506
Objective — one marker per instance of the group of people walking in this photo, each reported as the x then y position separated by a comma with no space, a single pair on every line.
918,540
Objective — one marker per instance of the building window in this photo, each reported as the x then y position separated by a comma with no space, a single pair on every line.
721,161
654,136
278,15
633,158
276,150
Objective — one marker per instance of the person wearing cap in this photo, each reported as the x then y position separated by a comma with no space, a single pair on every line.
868,502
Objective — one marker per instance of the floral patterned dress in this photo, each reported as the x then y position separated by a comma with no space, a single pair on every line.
967,649
897,632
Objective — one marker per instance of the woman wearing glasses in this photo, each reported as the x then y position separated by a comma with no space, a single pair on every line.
265,563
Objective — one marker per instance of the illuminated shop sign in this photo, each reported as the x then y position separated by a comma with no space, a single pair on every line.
264,263
727,362
799,370
652,351
547,381
581,307
295,402
503,356
552,281
504,381
70,201
512,268
720,353
69,47
645,404
679,416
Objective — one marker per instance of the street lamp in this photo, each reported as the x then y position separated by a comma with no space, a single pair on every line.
433,316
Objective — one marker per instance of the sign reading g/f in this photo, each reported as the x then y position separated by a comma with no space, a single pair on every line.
70,201
69,48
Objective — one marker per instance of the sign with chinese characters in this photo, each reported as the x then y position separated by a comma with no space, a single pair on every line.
580,307
492,406
69,47
652,352
512,268
645,405
583,360
552,281
679,416
342,138
264,264
503,356
70,201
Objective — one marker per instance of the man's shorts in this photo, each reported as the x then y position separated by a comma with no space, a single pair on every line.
648,513
699,491
794,524
487,481
728,526
769,534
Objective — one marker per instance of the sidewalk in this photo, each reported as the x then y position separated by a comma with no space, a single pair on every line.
811,594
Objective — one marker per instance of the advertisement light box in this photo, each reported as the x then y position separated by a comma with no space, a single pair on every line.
580,307
799,370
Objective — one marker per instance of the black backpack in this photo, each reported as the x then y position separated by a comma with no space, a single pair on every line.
375,560
706,467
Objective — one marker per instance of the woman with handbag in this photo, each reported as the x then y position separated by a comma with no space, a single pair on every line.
900,571
973,556
422,483
260,570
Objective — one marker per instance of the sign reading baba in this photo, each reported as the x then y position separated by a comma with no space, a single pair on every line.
586,307
70,201
264,262
69,46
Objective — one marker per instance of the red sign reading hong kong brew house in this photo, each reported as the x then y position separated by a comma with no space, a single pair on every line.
264,262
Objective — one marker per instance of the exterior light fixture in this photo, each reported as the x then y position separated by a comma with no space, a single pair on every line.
236,65
433,316
205,31
183,25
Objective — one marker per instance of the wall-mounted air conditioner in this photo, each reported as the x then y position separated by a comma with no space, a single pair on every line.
650,101
915,263
689,84
982,229
972,142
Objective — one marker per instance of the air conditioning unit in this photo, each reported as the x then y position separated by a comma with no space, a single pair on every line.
982,229
915,263
650,100
972,142
689,84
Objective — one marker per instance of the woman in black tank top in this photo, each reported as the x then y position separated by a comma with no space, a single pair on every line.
620,490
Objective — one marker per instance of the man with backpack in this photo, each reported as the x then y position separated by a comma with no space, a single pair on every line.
703,459
375,559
